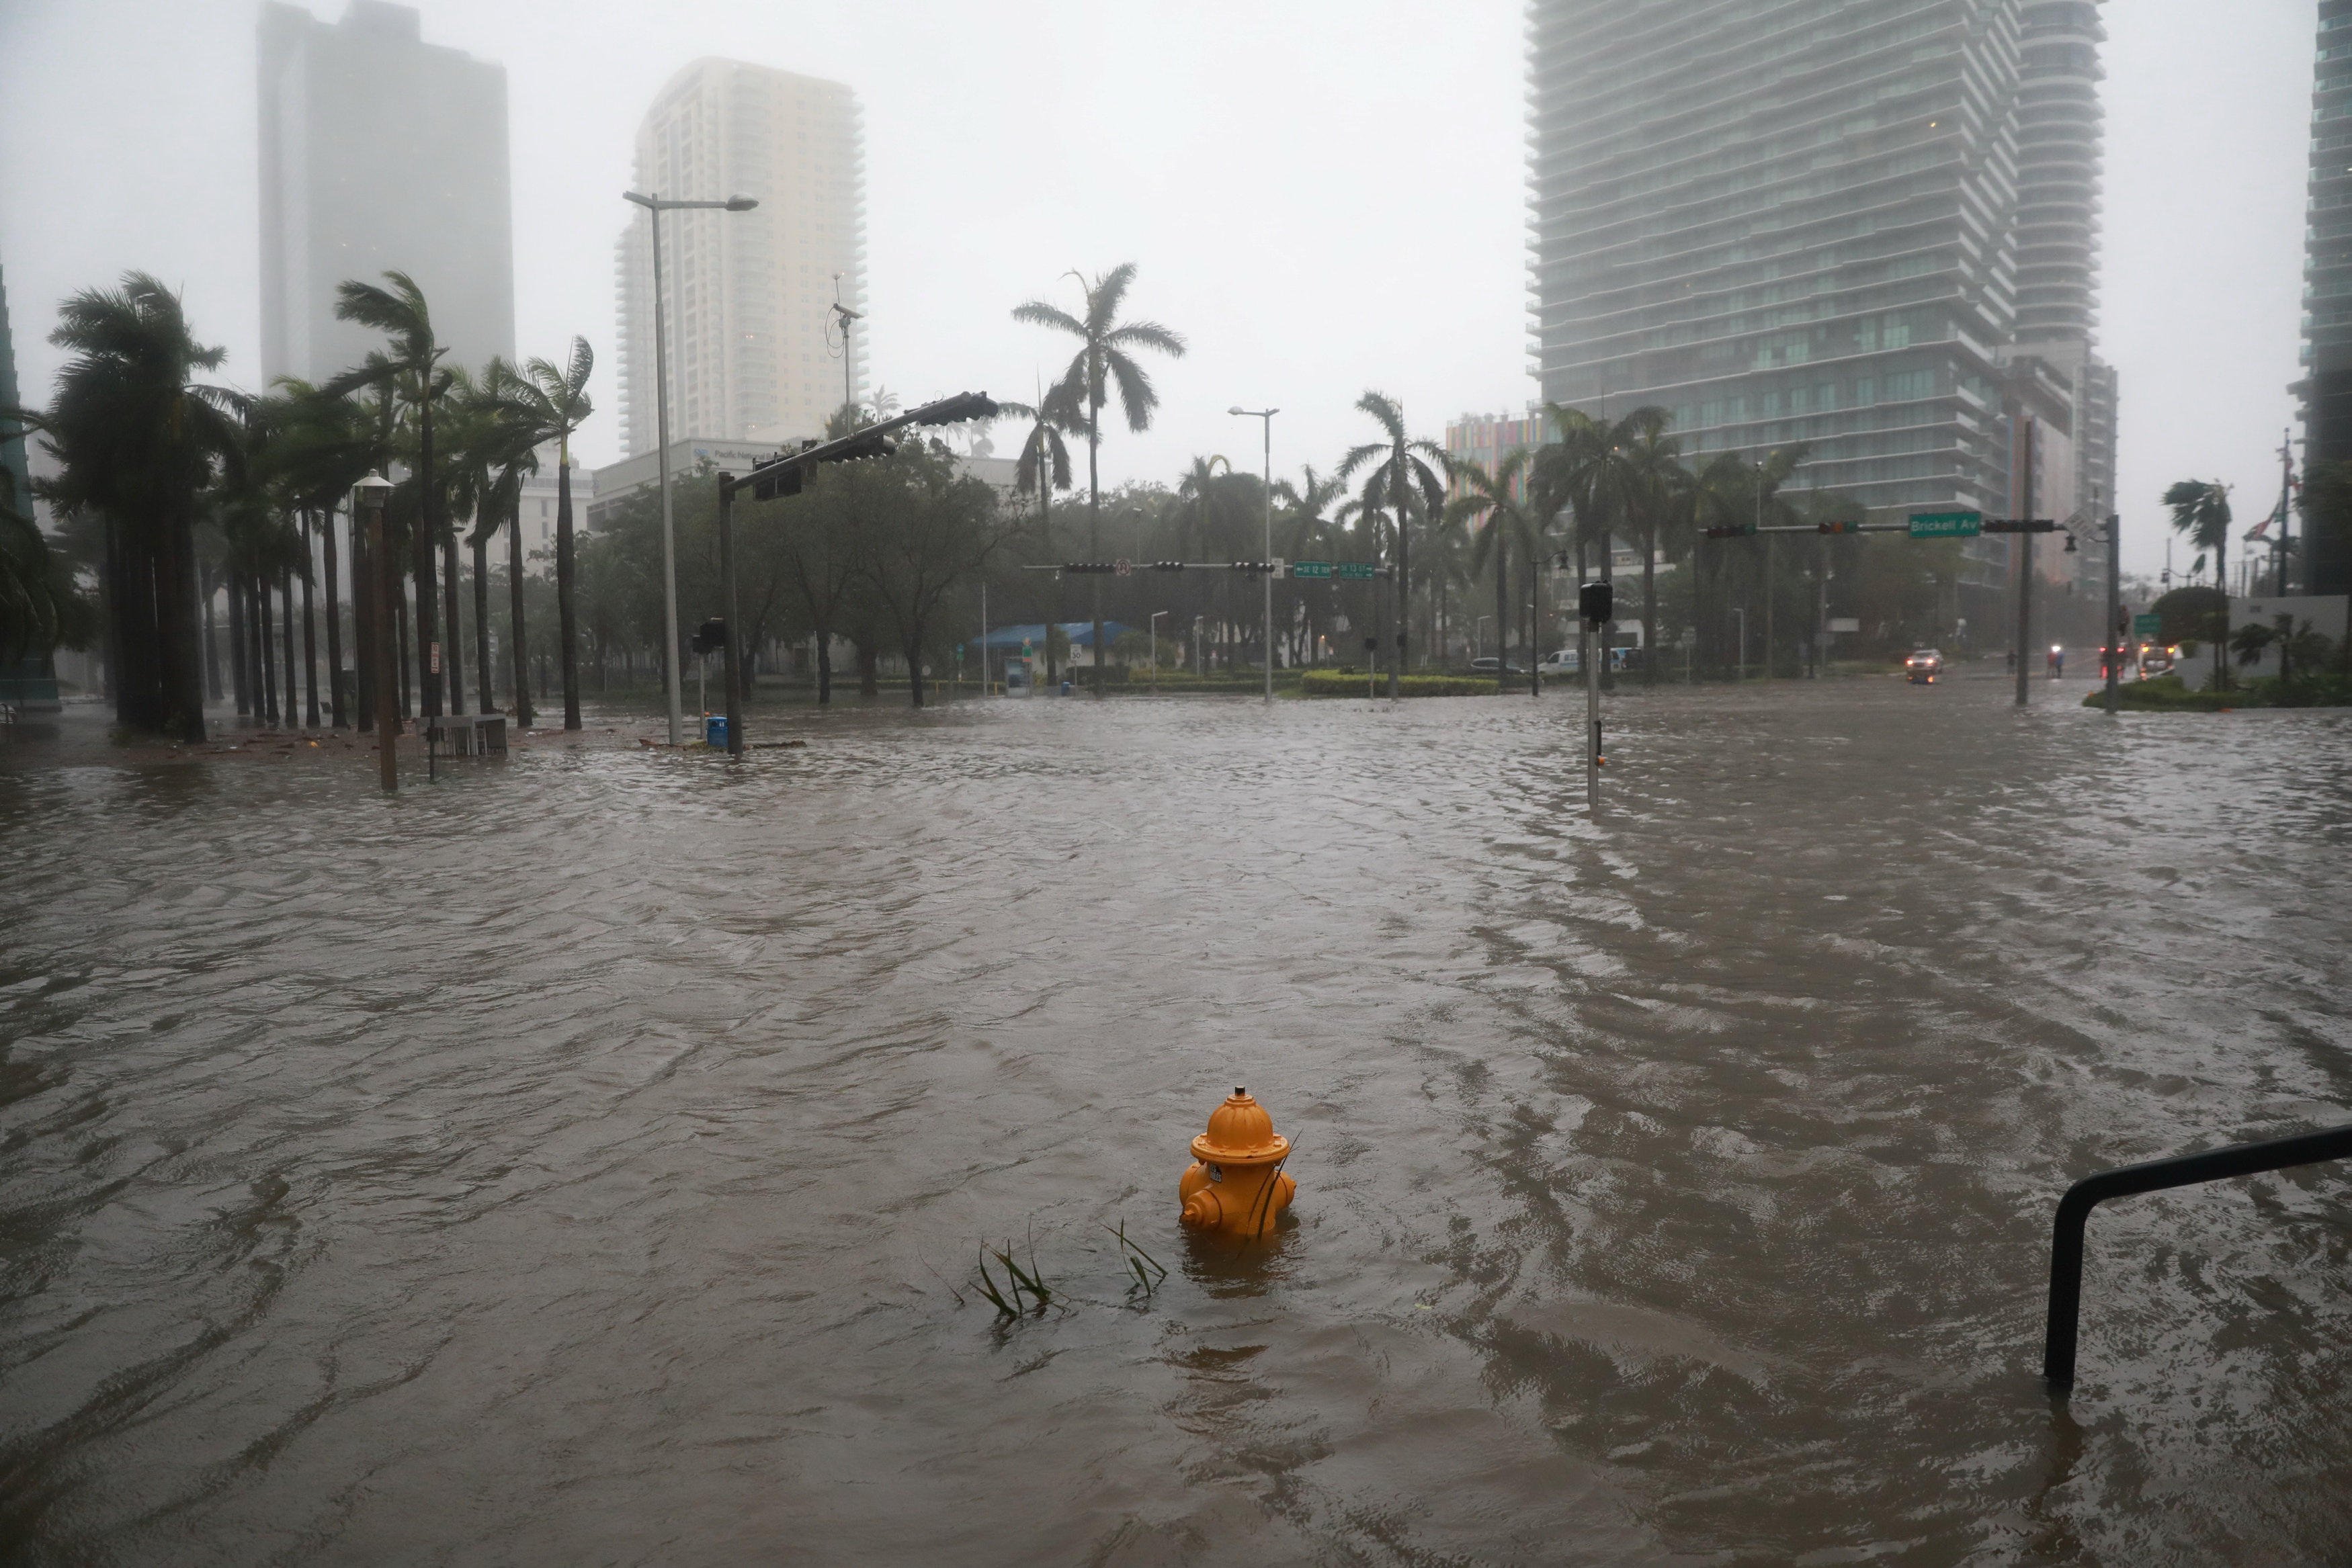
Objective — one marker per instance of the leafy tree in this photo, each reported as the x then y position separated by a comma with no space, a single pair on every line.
1397,471
926,531
2191,615
138,440
1105,357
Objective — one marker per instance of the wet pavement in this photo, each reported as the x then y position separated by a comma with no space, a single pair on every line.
584,1160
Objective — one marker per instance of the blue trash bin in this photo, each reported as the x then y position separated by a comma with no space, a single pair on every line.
714,730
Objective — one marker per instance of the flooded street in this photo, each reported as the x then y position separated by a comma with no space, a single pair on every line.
581,1160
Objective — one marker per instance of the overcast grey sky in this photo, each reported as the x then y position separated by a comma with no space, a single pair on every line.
1321,196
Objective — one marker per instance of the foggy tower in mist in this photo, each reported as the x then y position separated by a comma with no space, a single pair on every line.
2326,387
1871,225
379,152
748,294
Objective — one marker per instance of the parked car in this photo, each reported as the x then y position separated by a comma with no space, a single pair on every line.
1488,667
1923,666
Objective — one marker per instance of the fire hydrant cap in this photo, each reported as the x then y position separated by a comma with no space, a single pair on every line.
1241,1132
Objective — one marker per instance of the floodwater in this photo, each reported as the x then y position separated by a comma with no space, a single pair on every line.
584,1161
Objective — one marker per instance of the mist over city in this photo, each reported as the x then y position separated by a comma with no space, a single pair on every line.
1539,783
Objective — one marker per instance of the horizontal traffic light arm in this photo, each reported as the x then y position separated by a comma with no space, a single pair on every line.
1110,568
867,442
1990,525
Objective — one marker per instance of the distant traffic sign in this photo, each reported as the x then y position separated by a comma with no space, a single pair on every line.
1310,569
1947,525
1122,566
2147,625
1355,571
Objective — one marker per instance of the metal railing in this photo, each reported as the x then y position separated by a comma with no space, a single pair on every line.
2153,1175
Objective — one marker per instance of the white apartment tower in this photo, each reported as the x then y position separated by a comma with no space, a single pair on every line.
755,354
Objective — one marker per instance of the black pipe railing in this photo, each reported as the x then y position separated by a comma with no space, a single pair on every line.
2180,1170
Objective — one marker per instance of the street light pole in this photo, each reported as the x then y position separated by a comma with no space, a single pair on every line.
657,205
2025,573
1266,418
2115,609
1155,650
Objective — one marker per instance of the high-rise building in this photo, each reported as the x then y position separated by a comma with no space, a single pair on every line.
2326,387
756,353
1869,226
379,152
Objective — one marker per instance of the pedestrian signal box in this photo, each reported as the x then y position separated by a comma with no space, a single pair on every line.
1596,601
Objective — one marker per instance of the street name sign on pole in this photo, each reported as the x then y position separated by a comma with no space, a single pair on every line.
1946,525
1354,571
1310,569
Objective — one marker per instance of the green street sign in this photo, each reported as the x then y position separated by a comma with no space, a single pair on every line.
1355,571
1947,525
2147,625
1310,569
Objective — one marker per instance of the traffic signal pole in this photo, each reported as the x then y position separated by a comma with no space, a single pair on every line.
2115,627
732,662
2025,575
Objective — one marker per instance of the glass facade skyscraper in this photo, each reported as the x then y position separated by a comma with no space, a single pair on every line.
1870,225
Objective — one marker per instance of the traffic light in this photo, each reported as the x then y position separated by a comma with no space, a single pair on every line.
1594,600
710,637
780,475
957,408
1840,527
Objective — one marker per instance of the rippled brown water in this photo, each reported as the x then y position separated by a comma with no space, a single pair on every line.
571,1164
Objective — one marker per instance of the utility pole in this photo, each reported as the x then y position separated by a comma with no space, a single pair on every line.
1264,416
849,360
385,583
2025,572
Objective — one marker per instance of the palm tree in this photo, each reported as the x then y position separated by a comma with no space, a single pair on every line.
2201,509
137,441
400,314
554,404
325,446
1651,485
1496,502
492,451
1306,533
1103,358
1396,466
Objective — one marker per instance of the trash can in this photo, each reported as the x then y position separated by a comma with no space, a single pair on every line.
714,730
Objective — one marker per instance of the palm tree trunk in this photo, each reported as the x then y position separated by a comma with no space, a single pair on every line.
407,656
335,698
870,671
453,663
1094,520
915,664
566,617
309,640
515,619
1502,598
257,644
286,600
1649,605
1535,661
268,637
482,621
211,637
238,675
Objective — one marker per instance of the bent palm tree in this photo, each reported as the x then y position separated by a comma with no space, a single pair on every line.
1103,359
2201,509
1397,466
137,441
400,314
553,403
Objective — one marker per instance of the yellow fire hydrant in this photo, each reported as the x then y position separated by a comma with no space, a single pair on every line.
1235,1184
